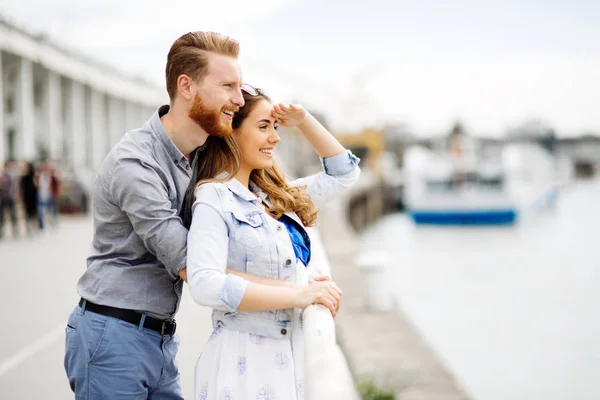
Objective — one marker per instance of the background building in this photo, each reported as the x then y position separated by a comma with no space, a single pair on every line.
58,105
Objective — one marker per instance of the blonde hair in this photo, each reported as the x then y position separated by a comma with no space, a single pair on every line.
284,197
223,155
189,56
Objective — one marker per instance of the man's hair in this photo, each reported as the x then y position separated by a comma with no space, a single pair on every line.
189,56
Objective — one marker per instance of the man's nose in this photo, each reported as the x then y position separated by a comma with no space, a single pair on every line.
238,99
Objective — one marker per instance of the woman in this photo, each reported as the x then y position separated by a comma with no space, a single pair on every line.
248,251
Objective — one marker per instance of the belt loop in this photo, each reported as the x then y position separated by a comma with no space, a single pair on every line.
83,306
142,321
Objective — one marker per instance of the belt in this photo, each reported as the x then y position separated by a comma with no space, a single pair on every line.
165,327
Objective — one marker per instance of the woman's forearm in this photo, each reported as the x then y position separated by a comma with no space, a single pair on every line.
266,297
324,143
261,280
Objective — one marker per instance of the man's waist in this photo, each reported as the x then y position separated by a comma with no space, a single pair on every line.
166,327
157,299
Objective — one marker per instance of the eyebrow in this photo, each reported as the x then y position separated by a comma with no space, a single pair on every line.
231,80
268,121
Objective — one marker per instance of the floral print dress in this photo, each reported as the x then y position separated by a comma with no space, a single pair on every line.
238,365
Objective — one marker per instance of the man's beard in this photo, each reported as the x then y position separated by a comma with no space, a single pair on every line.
210,119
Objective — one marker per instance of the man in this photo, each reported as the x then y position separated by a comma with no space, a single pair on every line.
120,338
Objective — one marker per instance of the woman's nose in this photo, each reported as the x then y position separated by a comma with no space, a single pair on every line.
274,137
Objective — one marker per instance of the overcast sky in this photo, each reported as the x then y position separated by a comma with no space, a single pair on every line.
491,64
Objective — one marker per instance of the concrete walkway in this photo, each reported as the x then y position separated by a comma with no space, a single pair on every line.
37,294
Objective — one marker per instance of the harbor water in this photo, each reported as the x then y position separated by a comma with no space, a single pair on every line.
513,311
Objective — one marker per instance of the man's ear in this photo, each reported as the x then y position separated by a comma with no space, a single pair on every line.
184,87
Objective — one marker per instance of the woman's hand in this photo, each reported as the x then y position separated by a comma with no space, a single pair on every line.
326,293
289,115
323,278
318,278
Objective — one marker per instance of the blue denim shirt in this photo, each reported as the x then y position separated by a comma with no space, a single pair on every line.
231,230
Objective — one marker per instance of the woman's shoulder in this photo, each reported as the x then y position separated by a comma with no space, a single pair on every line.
212,193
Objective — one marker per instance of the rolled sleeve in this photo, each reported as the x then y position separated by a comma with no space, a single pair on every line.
137,189
341,164
208,245
340,173
233,291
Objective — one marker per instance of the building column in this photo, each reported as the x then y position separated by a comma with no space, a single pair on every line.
107,116
140,115
75,132
53,114
99,128
130,116
25,146
2,128
116,124
147,113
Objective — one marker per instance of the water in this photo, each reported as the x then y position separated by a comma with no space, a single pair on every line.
513,311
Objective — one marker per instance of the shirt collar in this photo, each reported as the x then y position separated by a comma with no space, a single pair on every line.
259,192
240,190
248,194
159,132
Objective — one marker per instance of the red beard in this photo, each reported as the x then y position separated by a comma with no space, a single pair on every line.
210,119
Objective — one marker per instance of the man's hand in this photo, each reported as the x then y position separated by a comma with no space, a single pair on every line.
183,274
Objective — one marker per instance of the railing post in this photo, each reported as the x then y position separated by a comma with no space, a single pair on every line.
373,268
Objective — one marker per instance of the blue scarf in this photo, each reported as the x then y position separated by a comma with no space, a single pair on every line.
299,237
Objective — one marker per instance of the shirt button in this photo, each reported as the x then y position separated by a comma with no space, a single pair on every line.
278,227
284,331
288,261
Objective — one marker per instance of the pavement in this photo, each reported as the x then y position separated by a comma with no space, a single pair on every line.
38,292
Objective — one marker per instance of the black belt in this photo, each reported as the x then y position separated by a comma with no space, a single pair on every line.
164,327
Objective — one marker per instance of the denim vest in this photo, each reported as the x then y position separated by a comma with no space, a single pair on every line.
231,230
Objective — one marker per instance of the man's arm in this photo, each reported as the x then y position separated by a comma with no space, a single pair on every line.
136,188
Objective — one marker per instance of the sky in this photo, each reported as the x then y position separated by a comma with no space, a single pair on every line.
493,65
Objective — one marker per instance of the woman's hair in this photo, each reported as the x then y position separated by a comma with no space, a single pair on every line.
220,161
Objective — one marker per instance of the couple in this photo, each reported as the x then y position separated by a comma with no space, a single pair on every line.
207,157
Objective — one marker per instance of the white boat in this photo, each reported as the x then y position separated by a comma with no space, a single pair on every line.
461,188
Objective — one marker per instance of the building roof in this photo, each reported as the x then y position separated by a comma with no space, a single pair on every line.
100,76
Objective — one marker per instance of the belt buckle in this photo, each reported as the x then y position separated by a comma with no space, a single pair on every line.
168,327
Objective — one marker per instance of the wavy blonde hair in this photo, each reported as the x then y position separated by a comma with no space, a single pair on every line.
223,155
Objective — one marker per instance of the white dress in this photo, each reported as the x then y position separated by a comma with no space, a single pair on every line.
239,365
